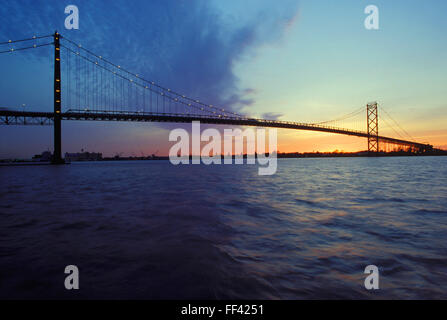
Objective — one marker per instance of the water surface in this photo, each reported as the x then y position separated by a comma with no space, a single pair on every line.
147,229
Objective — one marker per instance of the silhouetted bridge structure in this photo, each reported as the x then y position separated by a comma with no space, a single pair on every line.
98,90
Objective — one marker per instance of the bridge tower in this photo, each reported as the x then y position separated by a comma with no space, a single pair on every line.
372,121
57,155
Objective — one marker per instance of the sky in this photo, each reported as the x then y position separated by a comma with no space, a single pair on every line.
306,61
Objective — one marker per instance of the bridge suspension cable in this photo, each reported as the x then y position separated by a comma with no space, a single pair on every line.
345,117
151,85
396,123
26,39
26,48
106,82
35,45
390,126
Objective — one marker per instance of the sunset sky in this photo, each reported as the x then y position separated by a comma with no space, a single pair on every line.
307,61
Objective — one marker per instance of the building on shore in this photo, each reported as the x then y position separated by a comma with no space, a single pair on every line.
83,156
43,157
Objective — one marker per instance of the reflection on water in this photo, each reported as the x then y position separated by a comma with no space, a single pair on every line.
152,230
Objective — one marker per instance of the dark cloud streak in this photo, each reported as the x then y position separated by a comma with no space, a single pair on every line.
272,116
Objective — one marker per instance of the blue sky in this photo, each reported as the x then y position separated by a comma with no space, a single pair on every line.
297,60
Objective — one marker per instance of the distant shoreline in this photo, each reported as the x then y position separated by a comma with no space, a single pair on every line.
293,155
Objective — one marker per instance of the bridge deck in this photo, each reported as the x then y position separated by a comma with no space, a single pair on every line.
44,118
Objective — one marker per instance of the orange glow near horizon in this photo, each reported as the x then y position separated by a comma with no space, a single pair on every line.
290,141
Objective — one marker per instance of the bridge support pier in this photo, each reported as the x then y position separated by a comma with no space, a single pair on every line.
57,154
372,122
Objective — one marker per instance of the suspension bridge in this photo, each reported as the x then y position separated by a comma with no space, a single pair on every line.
89,87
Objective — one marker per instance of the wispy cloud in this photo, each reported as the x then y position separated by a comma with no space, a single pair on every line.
184,44
272,115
